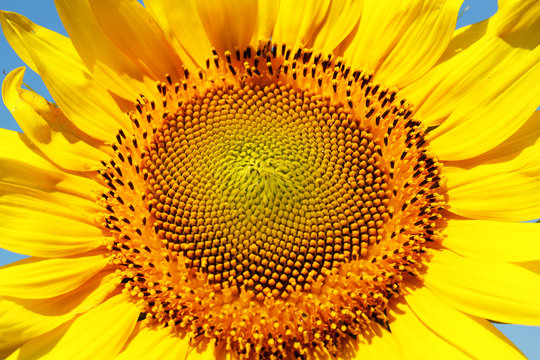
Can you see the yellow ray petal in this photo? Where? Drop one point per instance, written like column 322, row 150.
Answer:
column 24, row 319
column 23, row 166
column 485, row 84
column 341, row 19
column 477, row 337
column 48, row 236
column 84, row 298
column 400, row 41
column 228, row 24
column 438, row 87
column 380, row 344
column 183, row 28
column 18, row 45
column 492, row 240
column 297, row 21
column 98, row 334
column 266, row 20
column 38, row 347
column 497, row 291
column 58, row 204
column 509, row 190
column 415, row 340
column 36, row 278
column 18, row 325
column 79, row 96
column 44, row 212
column 136, row 34
column 48, row 128
column 527, row 135
column 148, row 344
column 35, row 224
column 501, row 111
column 533, row 266
column 419, row 49
column 119, row 74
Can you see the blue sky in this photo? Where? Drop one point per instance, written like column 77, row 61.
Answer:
column 43, row 13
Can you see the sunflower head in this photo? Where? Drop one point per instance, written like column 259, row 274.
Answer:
column 269, row 184
column 298, row 183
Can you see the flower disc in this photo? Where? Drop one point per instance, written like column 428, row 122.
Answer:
column 255, row 207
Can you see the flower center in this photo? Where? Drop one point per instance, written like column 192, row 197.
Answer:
column 272, row 203
column 264, row 189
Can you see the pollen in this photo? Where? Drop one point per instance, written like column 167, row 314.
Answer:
column 271, row 203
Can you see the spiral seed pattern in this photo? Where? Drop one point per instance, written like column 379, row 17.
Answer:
column 263, row 188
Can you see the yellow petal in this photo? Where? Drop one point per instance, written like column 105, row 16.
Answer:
column 485, row 84
column 58, row 204
column 98, row 334
column 18, row 325
column 341, row 19
column 77, row 94
column 297, row 21
column 508, row 190
column 400, row 41
column 23, row 165
column 29, row 229
column 48, row 128
column 527, row 135
column 148, row 344
column 117, row 73
column 422, row 44
column 378, row 344
column 266, row 20
column 492, row 290
column 36, row 234
column 39, row 346
column 44, row 212
column 493, row 117
column 84, row 298
column 492, row 240
column 18, row 45
column 24, row 319
column 533, row 266
column 137, row 36
column 228, row 24
column 474, row 336
column 36, row 278
column 415, row 340
column 443, row 82
column 183, row 28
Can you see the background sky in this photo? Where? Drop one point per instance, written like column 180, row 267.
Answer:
column 43, row 12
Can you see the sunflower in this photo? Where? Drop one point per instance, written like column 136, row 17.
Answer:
column 271, row 180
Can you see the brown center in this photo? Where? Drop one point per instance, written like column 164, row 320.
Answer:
column 266, row 188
